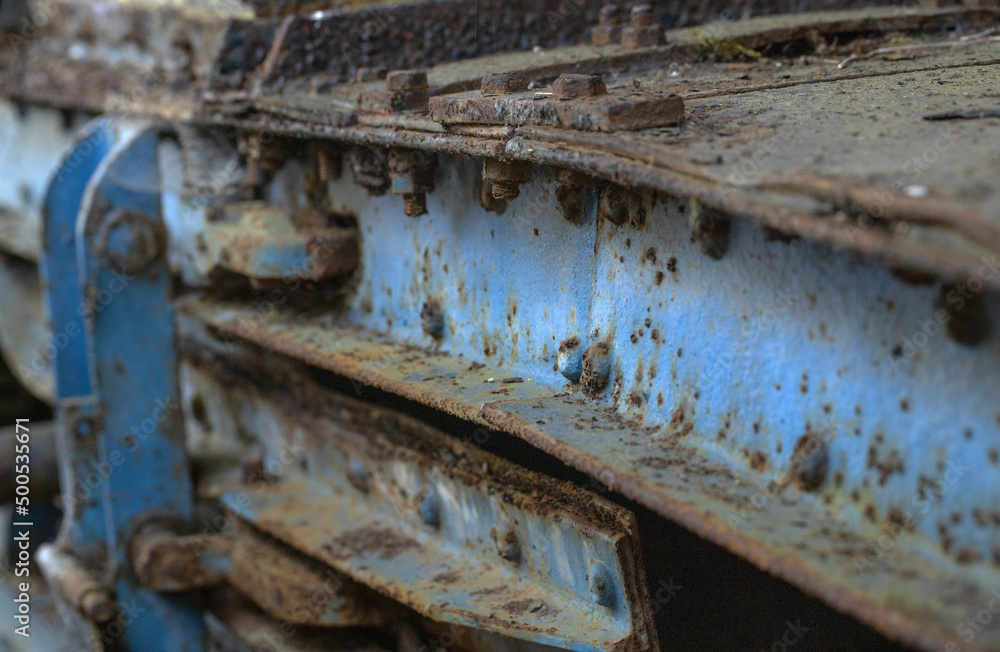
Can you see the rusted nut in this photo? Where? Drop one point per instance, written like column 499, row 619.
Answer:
column 710, row 229
column 602, row 584
column 641, row 16
column 506, row 177
column 596, row 367
column 407, row 90
column 572, row 86
column 359, row 476
column 963, row 311
column 432, row 318
column 130, row 241
column 504, row 83
column 75, row 584
column 569, row 360
column 371, row 168
column 507, row 544
column 810, row 462
column 367, row 74
column 608, row 15
column 406, row 80
column 411, row 174
column 608, row 29
column 642, row 30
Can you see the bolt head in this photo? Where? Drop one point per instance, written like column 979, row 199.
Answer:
column 432, row 318
column 130, row 240
column 608, row 15
column 504, row 83
column 569, row 359
column 508, row 545
column 572, row 86
column 359, row 476
column 406, row 80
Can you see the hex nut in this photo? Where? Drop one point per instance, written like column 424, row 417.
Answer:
column 572, row 86
column 504, row 83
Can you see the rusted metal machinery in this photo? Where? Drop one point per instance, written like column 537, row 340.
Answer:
column 453, row 325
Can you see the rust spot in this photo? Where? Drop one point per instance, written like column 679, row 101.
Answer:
column 529, row 606
column 649, row 255
column 658, row 280
column 758, row 461
column 371, row 540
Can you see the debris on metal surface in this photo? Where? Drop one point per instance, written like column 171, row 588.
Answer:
column 742, row 272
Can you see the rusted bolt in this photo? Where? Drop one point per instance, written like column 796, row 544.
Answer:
column 407, row 89
column 432, row 318
column 710, row 229
column 359, row 476
column 596, row 367
column 130, row 240
column 506, row 177
column 641, row 16
column 76, row 584
column 810, row 461
column 507, row 544
column 371, row 168
column 430, row 509
column 608, row 29
column 965, row 314
column 642, row 30
column 602, row 584
column 504, row 83
column 411, row 174
column 572, row 86
column 569, row 360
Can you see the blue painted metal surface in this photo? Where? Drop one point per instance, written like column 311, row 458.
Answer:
column 76, row 402
column 135, row 369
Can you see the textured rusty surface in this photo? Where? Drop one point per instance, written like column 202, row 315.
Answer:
column 295, row 589
column 455, row 533
column 164, row 561
column 910, row 595
column 803, row 192
column 619, row 111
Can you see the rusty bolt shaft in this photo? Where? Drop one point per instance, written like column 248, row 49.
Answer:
column 407, row 89
column 641, row 16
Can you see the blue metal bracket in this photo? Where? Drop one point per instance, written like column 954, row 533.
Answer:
column 108, row 282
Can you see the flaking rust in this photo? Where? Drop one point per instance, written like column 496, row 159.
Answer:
column 513, row 527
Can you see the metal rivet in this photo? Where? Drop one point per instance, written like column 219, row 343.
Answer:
column 508, row 545
column 359, row 476
column 432, row 318
column 602, row 584
column 130, row 240
column 569, row 360
column 83, row 427
column 430, row 509
column 810, row 462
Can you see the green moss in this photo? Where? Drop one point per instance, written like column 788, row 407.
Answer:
column 726, row 50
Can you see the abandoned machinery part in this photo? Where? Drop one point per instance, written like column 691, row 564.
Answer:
column 373, row 326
